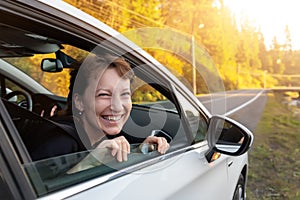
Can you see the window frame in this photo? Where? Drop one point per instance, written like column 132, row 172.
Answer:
column 157, row 78
column 179, row 91
column 13, row 153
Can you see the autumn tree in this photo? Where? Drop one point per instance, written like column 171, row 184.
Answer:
column 287, row 59
column 263, row 54
column 237, row 49
column 276, row 54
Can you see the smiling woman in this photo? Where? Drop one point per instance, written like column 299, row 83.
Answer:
column 270, row 16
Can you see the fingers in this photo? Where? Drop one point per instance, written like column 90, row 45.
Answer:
column 162, row 144
column 52, row 112
column 42, row 113
column 119, row 146
column 125, row 149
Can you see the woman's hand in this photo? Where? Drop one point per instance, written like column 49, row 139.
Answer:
column 162, row 144
column 119, row 147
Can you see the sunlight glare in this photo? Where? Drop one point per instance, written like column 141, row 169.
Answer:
column 271, row 16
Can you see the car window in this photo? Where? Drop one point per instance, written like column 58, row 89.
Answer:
column 9, row 88
column 154, row 112
column 145, row 95
column 197, row 122
column 57, row 82
column 55, row 173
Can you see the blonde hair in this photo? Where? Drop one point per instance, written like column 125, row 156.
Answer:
column 93, row 65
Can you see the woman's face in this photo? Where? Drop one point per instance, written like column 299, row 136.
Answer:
column 112, row 103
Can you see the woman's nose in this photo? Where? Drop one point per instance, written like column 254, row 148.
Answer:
column 116, row 104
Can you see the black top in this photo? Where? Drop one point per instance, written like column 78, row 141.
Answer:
column 46, row 138
column 61, row 137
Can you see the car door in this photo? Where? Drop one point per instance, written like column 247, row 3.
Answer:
column 183, row 173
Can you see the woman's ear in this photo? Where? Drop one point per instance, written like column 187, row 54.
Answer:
column 78, row 102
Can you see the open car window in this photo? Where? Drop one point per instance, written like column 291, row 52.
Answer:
column 55, row 173
column 154, row 112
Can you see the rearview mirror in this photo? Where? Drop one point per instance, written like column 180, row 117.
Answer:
column 51, row 65
column 228, row 136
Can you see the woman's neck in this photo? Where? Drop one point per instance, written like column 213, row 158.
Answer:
column 94, row 134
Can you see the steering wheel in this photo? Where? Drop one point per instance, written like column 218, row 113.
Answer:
column 27, row 102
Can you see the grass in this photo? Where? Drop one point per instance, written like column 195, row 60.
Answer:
column 274, row 170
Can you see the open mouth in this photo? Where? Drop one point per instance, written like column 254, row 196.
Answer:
column 112, row 118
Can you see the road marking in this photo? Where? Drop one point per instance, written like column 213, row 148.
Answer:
column 224, row 96
column 244, row 105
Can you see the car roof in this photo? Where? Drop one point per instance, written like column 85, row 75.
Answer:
column 60, row 11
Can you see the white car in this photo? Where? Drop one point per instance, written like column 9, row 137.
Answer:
column 39, row 40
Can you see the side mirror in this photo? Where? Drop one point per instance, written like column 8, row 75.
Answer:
column 228, row 136
column 51, row 65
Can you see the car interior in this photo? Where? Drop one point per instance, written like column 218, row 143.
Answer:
column 30, row 126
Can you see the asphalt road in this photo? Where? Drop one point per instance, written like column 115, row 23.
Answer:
column 244, row 106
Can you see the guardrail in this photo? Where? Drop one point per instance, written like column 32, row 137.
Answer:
column 286, row 89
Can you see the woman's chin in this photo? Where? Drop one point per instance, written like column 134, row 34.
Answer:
column 110, row 127
column 114, row 131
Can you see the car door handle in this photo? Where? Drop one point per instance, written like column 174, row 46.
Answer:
column 230, row 163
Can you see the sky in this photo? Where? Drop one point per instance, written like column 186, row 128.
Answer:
column 271, row 16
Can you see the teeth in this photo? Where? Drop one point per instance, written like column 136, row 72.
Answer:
column 112, row 118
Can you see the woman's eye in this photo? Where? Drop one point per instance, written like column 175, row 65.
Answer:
column 126, row 94
column 103, row 95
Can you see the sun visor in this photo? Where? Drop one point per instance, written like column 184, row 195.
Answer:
column 12, row 39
